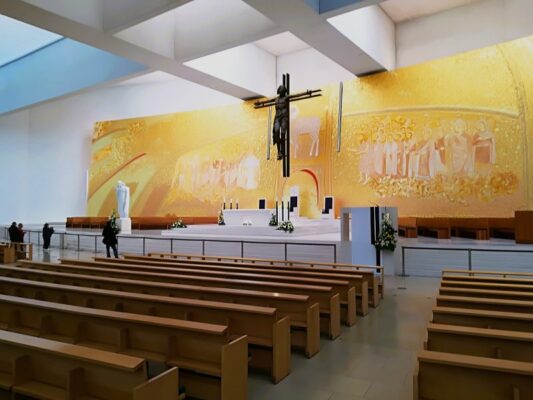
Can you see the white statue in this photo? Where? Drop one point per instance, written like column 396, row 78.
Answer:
column 123, row 199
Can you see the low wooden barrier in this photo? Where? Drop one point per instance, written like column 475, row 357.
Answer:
column 267, row 332
column 445, row 376
column 407, row 227
column 439, row 227
column 204, row 353
column 304, row 314
column 328, row 300
column 502, row 228
column 47, row 369
column 141, row 223
column 7, row 253
column 480, row 342
column 348, row 293
column 373, row 274
column 489, row 319
column 476, row 228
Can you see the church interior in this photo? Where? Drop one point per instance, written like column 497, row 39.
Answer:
column 266, row 199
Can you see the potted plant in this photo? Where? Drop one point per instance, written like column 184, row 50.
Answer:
column 221, row 218
column 387, row 235
column 286, row 226
column 178, row 224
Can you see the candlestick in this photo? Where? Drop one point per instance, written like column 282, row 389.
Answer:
column 231, row 204
column 282, row 211
column 288, row 211
column 277, row 220
column 237, row 204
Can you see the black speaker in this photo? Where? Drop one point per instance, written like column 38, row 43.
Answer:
column 262, row 204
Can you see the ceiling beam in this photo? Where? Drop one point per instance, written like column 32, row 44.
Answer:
column 41, row 18
column 304, row 22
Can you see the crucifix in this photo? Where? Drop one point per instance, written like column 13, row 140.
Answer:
column 281, row 129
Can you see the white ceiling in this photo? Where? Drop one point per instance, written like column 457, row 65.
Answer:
column 281, row 44
column 402, row 10
column 149, row 78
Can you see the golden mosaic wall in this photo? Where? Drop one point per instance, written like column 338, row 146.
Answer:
column 449, row 137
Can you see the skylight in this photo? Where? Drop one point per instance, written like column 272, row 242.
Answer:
column 18, row 39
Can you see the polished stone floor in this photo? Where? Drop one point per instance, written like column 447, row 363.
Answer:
column 373, row 360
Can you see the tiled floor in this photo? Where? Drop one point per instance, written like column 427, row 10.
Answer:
column 373, row 360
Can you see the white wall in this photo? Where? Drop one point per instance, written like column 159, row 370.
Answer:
column 461, row 29
column 13, row 166
column 310, row 69
column 50, row 143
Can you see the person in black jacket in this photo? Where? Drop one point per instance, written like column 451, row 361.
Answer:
column 110, row 239
column 13, row 232
column 47, row 236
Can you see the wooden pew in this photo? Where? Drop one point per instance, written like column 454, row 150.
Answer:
column 445, row 376
column 204, row 353
column 47, row 369
column 488, row 276
column 445, row 283
column 374, row 275
column 347, row 292
column 304, row 314
column 483, row 318
column 476, row 228
column 440, row 227
column 328, row 300
column 480, row 342
column 485, row 304
column 267, row 332
column 487, row 293
column 407, row 227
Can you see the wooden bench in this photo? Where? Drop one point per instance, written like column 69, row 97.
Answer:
column 7, row 253
column 483, row 318
column 480, row 342
column 304, row 314
column 347, row 293
column 267, row 332
column 204, row 353
column 476, row 228
column 479, row 303
column 487, row 293
column 47, row 369
column 508, row 277
column 407, row 227
column 502, row 228
column 374, row 275
column 445, row 376
column 328, row 300
column 445, row 283
column 439, row 227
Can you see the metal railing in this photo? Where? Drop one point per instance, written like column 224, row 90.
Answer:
column 469, row 251
column 63, row 240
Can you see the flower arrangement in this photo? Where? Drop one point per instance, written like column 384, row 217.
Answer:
column 178, row 224
column 286, row 226
column 273, row 220
column 114, row 225
column 221, row 218
column 387, row 235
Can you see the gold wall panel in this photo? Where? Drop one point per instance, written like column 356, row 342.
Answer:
column 448, row 137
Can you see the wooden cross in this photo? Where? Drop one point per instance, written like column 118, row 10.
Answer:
column 281, row 130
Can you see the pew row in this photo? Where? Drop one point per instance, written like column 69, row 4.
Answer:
column 487, row 293
column 304, row 314
column 480, row 342
column 346, row 288
column 328, row 300
column 506, row 276
column 445, row 376
column 374, row 274
column 485, row 304
column 267, row 332
column 504, row 320
column 468, row 284
column 47, row 369
column 211, row 365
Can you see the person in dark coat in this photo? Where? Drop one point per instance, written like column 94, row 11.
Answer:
column 47, row 236
column 110, row 239
column 13, row 232
column 20, row 233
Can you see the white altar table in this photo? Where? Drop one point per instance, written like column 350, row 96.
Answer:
column 238, row 217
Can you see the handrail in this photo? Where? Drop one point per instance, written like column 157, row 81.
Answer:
column 172, row 240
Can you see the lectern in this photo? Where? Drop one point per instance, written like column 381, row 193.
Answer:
column 523, row 221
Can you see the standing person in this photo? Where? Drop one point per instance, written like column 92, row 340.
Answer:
column 110, row 239
column 47, row 236
column 13, row 232
column 20, row 233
